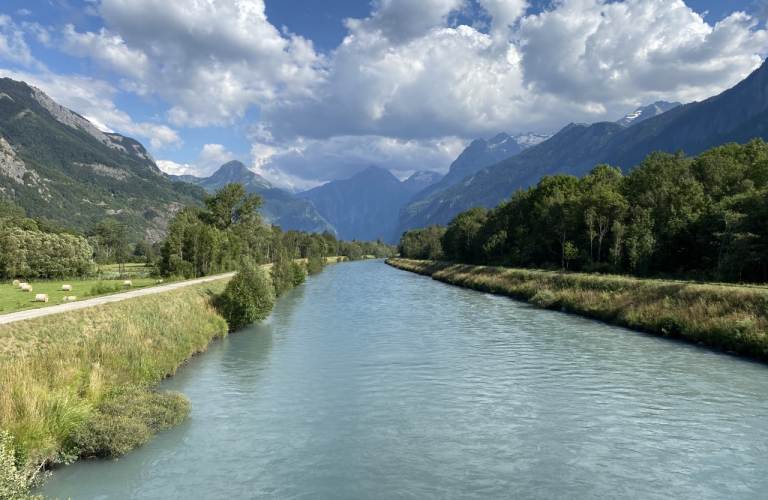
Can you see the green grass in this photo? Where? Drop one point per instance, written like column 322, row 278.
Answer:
column 59, row 373
column 728, row 318
column 12, row 299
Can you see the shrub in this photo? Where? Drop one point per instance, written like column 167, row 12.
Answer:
column 544, row 299
column 129, row 419
column 15, row 481
column 101, row 288
column 299, row 273
column 315, row 263
column 282, row 274
column 249, row 297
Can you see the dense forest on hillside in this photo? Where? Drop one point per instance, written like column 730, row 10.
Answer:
column 697, row 218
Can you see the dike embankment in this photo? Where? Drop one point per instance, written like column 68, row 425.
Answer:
column 732, row 319
column 79, row 383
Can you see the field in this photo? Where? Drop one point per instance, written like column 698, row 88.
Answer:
column 13, row 299
column 725, row 317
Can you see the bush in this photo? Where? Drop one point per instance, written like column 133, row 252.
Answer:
column 282, row 274
column 102, row 288
column 299, row 273
column 249, row 297
column 315, row 264
column 544, row 299
column 15, row 482
column 129, row 419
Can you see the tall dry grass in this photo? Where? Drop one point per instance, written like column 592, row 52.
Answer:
column 729, row 318
column 55, row 370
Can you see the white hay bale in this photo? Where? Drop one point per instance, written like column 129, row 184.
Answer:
column 22, row 285
column 69, row 298
column 127, row 283
column 16, row 282
column 41, row 297
column 159, row 282
column 26, row 288
column 66, row 288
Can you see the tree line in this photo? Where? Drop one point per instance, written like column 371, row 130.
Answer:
column 703, row 218
column 201, row 241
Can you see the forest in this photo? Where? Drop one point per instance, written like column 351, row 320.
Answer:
column 702, row 218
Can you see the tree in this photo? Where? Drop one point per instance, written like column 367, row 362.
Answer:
column 249, row 297
column 232, row 204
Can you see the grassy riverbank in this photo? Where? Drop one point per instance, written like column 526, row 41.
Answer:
column 77, row 383
column 728, row 318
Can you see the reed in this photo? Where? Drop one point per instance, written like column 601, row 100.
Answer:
column 725, row 317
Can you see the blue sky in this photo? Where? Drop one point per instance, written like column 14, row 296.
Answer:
column 306, row 91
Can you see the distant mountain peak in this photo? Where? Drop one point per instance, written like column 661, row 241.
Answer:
column 645, row 112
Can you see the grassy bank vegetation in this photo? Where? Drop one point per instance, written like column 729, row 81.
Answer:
column 80, row 383
column 725, row 317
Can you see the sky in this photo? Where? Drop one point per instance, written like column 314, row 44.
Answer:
column 308, row 91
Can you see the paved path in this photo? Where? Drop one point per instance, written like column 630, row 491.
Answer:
column 45, row 311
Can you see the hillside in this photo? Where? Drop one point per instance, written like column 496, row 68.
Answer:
column 479, row 154
column 281, row 208
column 56, row 164
column 364, row 207
column 737, row 115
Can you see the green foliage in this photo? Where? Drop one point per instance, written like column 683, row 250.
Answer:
column 544, row 299
column 102, row 288
column 249, row 297
column 33, row 254
column 127, row 419
column 15, row 481
column 299, row 273
column 422, row 243
column 700, row 218
column 282, row 273
column 315, row 263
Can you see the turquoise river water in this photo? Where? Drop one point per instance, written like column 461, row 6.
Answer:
column 372, row 383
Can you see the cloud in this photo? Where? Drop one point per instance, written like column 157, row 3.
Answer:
column 400, row 21
column 211, row 157
column 106, row 48
column 13, row 46
column 308, row 163
column 24, row 12
column 212, row 60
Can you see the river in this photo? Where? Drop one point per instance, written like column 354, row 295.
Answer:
column 372, row 383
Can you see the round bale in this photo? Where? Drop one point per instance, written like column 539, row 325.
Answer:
column 70, row 298
column 26, row 288
column 22, row 285
column 127, row 283
column 16, row 282
column 41, row 297
column 159, row 282
column 66, row 288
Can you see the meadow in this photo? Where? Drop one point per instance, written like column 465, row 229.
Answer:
column 729, row 318
column 12, row 299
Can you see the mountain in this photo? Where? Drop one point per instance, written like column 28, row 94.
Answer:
column 737, row 115
column 281, row 207
column 56, row 164
column 530, row 139
column 479, row 154
column 364, row 207
column 645, row 112
column 421, row 180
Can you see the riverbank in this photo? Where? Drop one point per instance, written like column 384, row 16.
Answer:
column 79, row 383
column 728, row 318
